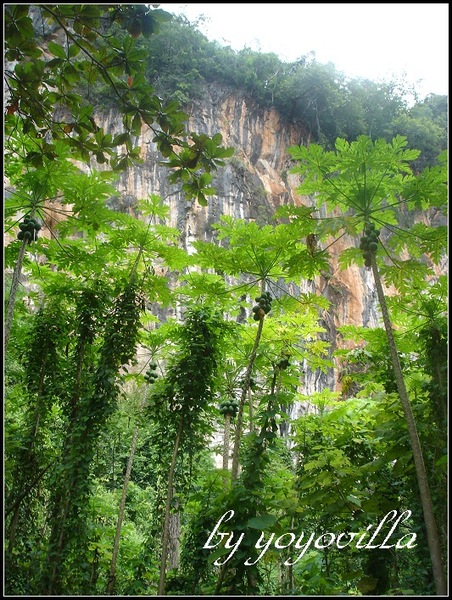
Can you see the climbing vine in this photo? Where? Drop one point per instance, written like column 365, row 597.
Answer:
column 89, row 412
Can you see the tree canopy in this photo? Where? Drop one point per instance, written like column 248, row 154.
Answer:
column 46, row 105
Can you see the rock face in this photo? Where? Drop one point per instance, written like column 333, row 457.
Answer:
column 255, row 181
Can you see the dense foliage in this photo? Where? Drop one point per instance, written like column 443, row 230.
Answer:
column 115, row 414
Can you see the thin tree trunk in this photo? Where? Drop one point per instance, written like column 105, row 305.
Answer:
column 227, row 434
column 57, row 532
column 427, row 505
column 225, row 566
column 173, row 543
column 246, row 384
column 78, row 379
column 13, row 291
column 75, row 398
column 95, row 569
column 226, row 449
column 251, row 410
column 112, row 575
column 16, row 504
column 166, row 522
column 12, row 529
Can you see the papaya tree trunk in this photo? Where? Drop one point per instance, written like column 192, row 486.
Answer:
column 433, row 538
column 112, row 575
column 226, row 448
column 166, row 521
column 246, row 385
column 251, row 410
column 13, row 292
column 173, row 541
column 226, row 440
column 225, row 566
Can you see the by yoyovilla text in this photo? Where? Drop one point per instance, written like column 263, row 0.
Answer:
column 301, row 542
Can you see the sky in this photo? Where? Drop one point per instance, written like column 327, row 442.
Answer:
column 380, row 42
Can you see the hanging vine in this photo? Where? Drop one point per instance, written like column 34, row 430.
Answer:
column 35, row 454
column 184, row 398
column 90, row 413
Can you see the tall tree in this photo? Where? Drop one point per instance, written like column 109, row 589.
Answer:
column 184, row 397
column 369, row 182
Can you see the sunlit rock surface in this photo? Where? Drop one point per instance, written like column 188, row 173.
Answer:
column 254, row 182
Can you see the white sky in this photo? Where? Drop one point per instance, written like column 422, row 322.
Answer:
column 373, row 41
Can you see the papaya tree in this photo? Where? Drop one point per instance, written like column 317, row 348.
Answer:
column 80, row 282
column 260, row 257
column 181, row 404
column 370, row 185
column 367, row 371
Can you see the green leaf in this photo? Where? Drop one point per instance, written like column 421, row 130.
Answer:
column 354, row 500
column 202, row 200
column 262, row 522
column 217, row 553
column 442, row 461
column 57, row 50
column 350, row 256
column 74, row 50
column 121, row 139
column 136, row 125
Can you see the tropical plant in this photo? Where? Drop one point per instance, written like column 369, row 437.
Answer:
column 368, row 182
column 92, row 45
column 49, row 123
column 185, row 395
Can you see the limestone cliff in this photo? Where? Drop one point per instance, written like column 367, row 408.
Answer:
column 255, row 181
